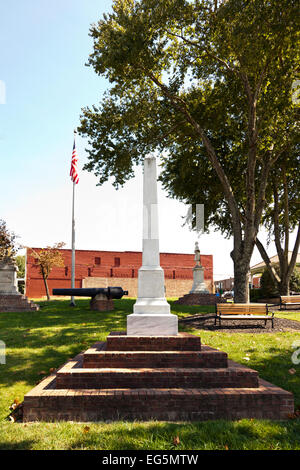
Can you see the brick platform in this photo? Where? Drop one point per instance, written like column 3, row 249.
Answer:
column 164, row 378
column 102, row 305
column 16, row 303
column 200, row 299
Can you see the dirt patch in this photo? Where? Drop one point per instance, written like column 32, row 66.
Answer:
column 207, row 322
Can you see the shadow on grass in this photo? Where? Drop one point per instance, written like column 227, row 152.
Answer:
column 27, row 444
column 190, row 309
column 198, row 435
column 39, row 341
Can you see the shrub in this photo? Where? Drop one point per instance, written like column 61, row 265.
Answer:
column 269, row 289
column 255, row 294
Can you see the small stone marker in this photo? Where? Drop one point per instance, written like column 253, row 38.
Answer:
column 151, row 314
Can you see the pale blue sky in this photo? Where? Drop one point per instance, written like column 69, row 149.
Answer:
column 44, row 45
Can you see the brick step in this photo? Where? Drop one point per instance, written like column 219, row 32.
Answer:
column 19, row 309
column 16, row 303
column 119, row 341
column 79, row 378
column 46, row 403
column 207, row 357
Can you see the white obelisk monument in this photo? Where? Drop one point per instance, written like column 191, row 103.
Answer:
column 151, row 313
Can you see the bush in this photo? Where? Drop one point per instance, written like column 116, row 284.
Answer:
column 268, row 287
column 295, row 280
column 255, row 294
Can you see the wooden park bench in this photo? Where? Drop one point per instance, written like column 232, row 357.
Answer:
column 243, row 312
column 288, row 300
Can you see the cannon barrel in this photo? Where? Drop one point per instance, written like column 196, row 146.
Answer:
column 110, row 292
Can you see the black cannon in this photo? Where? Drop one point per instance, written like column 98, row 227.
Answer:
column 101, row 297
column 109, row 292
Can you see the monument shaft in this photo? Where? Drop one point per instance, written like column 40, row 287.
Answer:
column 151, row 311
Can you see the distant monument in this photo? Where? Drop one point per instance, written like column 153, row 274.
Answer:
column 11, row 300
column 199, row 294
column 151, row 312
column 199, row 285
column 8, row 278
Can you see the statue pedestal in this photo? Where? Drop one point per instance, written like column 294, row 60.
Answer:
column 199, row 286
column 102, row 303
column 8, row 279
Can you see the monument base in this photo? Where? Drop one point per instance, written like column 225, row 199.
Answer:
column 143, row 324
column 172, row 378
column 200, row 299
column 16, row 303
column 152, row 306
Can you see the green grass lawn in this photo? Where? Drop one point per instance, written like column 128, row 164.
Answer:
column 39, row 341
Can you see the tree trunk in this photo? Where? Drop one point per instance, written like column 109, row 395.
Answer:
column 241, row 281
column 46, row 286
column 284, row 286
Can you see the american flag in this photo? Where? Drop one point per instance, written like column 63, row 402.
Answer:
column 73, row 171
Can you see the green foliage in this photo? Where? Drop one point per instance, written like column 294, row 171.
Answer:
column 268, row 287
column 8, row 244
column 295, row 280
column 201, row 53
column 20, row 262
column 255, row 295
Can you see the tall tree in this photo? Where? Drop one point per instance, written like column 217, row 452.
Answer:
column 282, row 217
column 8, row 243
column 46, row 259
column 167, row 62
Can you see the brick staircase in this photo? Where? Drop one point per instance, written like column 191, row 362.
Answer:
column 16, row 303
column 164, row 378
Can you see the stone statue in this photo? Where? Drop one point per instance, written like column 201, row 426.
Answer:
column 197, row 254
column 8, row 277
column 199, row 286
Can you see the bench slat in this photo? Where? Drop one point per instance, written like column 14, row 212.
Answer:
column 249, row 314
column 242, row 309
column 290, row 299
column 243, row 317
column 243, row 312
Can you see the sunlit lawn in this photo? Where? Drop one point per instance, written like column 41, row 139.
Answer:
column 39, row 341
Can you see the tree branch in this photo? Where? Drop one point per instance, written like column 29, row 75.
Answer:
column 294, row 254
column 181, row 106
column 267, row 261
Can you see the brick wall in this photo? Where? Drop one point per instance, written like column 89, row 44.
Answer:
column 116, row 268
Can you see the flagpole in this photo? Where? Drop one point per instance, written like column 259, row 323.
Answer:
column 72, row 304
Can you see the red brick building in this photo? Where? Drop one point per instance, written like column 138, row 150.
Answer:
column 116, row 268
